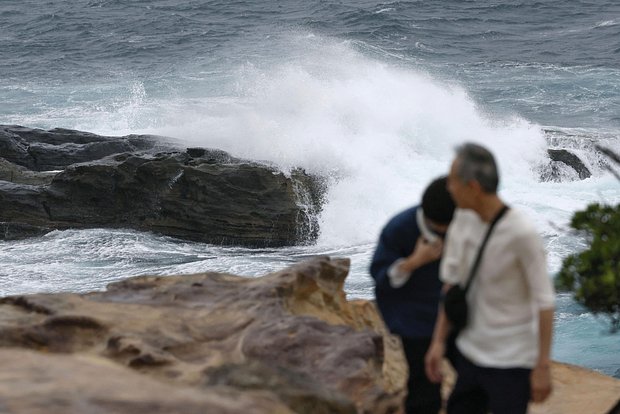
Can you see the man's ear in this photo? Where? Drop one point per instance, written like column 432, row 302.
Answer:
column 474, row 186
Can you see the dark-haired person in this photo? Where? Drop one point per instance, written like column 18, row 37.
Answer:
column 405, row 267
column 504, row 350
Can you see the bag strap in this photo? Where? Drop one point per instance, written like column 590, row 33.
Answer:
column 472, row 273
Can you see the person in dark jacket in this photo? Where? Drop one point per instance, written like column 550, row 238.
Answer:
column 405, row 267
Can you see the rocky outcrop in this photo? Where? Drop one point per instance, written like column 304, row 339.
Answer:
column 572, row 156
column 196, row 194
column 40, row 150
column 565, row 157
column 282, row 343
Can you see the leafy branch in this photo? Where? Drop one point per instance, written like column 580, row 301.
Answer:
column 594, row 274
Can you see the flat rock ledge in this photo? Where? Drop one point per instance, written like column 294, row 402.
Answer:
column 286, row 342
column 61, row 179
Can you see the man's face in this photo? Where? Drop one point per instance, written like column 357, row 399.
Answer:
column 458, row 189
column 438, row 228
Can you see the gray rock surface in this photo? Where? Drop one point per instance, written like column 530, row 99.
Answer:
column 569, row 159
column 196, row 194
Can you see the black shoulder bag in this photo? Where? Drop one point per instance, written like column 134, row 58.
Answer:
column 455, row 301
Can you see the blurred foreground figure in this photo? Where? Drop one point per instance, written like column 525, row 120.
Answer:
column 405, row 268
column 504, row 349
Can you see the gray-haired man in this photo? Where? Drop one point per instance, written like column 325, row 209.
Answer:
column 505, row 347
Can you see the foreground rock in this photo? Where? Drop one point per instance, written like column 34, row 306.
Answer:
column 63, row 179
column 37, row 383
column 578, row 390
column 287, row 342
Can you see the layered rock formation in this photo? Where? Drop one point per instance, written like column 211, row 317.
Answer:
column 287, row 342
column 68, row 179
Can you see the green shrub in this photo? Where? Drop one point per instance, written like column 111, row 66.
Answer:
column 594, row 274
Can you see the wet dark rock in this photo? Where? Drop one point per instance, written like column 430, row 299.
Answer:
column 40, row 150
column 22, row 175
column 17, row 231
column 139, row 182
column 556, row 169
column 570, row 159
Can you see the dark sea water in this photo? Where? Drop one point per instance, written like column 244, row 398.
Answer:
column 372, row 95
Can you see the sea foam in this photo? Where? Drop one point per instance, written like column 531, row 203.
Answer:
column 376, row 131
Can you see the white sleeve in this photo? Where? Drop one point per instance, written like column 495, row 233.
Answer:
column 450, row 259
column 533, row 261
column 396, row 276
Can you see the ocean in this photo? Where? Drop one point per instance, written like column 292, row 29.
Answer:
column 373, row 96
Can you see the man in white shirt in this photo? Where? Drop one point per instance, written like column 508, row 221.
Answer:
column 505, row 346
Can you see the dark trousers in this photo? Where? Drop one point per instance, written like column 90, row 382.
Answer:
column 423, row 396
column 479, row 390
